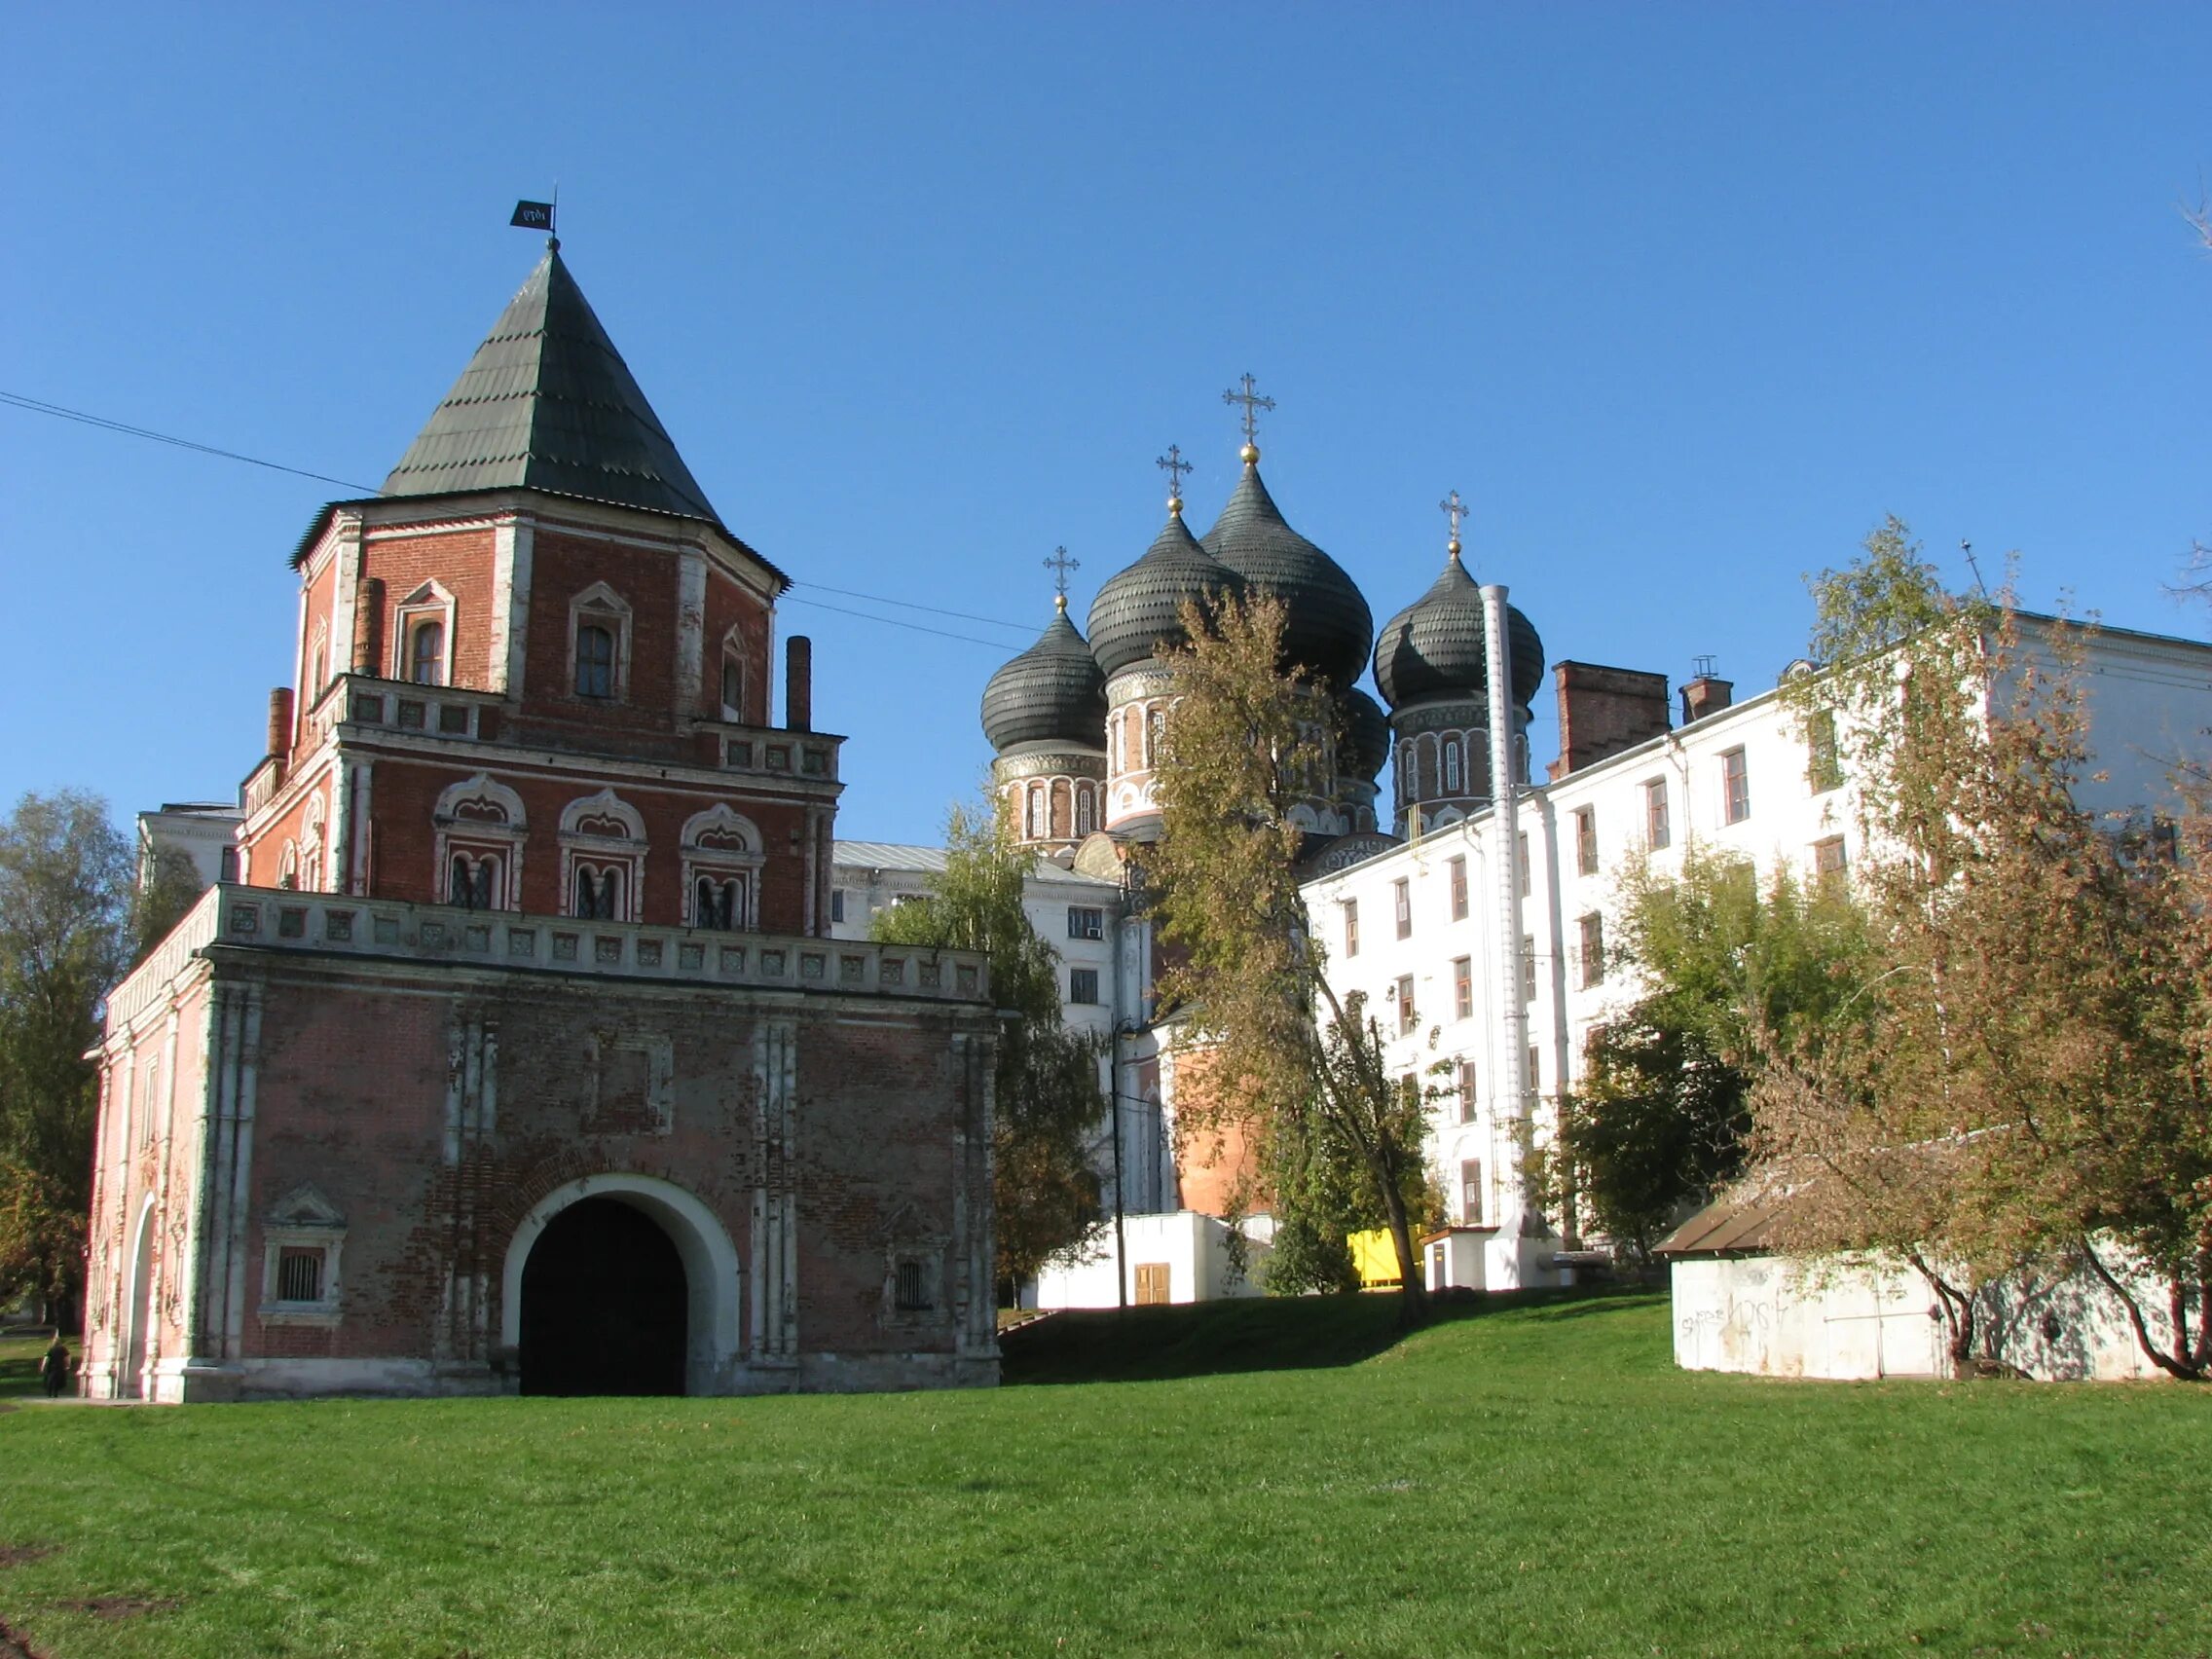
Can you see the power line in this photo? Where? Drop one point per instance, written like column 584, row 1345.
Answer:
column 36, row 407
column 103, row 422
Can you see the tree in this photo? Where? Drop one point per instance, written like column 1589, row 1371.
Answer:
column 2024, row 1084
column 1660, row 1120
column 1245, row 744
column 66, row 896
column 1049, row 1105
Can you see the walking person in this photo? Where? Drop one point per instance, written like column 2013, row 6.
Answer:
column 53, row 1368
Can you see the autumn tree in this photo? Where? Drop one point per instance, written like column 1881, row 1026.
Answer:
column 65, row 913
column 1048, row 1100
column 2024, row 1081
column 1246, row 743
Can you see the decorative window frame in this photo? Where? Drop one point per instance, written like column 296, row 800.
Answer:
column 315, row 670
column 303, row 1218
column 313, row 819
column 602, row 832
column 1086, row 809
column 429, row 602
column 288, row 866
column 600, row 606
column 732, row 652
column 912, row 1252
column 476, row 837
column 722, row 844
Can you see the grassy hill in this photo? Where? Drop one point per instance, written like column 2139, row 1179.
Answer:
column 1522, row 1480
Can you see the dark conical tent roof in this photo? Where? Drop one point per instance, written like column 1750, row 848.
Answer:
column 1051, row 693
column 1330, row 626
column 548, row 404
column 1438, row 643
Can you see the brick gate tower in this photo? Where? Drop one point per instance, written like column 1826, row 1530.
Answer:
column 517, row 1057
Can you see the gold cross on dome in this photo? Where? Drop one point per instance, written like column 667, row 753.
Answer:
column 1059, row 563
column 1175, row 465
column 1253, row 404
column 1453, row 509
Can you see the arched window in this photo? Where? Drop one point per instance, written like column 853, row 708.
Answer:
column 1154, row 735
column 598, row 893
column 426, row 653
column 1085, row 811
column 472, row 882
column 733, row 687
column 716, row 904
column 595, row 660
column 1451, row 765
column 1408, row 775
column 1033, row 817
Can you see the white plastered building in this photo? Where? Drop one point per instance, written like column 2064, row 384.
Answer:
column 1416, row 928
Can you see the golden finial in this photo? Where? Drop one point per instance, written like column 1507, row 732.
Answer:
column 1175, row 465
column 1253, row 403
column 1453, row 509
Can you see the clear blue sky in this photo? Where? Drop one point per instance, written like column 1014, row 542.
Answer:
column 1682, row 298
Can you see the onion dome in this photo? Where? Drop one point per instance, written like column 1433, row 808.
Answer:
column 1367, row 730
column 1053, row 692
column 1435, row 644
column 1329, row 626
column 1142, row 606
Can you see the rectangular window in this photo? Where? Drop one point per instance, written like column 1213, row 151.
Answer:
column 1085, row 922
column 837, row 903
column 911, row 1294
column 1351, row 926
column 1829, row 861
column 1462, row 988
column 298, row 1273
column 1824, row 765
column 1082, row 986
column 1471, row 1192
column 1658, row 828
column 1527, row 968
column 1407, row 1017
column 1523, row 843
column 1535, row 1072
column 1466, row 1092
column 1586, row 840
column 1401, row 895
column 1458, row 870
column 1593, row 949
column 1735, row 786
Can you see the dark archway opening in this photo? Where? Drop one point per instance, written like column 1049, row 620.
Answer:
column 604, row 1304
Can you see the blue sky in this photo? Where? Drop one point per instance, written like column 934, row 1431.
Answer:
column 1683, row 300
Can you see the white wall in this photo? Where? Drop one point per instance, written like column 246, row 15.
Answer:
column 1194, row 1248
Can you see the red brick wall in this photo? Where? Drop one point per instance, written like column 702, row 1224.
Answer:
column 265, row 849
column 352, row 1097
column 404, row 796
column 461, row 562
column 728, row 606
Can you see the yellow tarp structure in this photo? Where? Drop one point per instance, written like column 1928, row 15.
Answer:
column 1373, row 1257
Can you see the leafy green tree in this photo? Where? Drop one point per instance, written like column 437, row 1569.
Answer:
column 1660, row 1122
column 1049, row 1102
column 66, row 900
column 1282, row 1054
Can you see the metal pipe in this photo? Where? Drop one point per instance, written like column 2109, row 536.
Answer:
column 1512, row 1068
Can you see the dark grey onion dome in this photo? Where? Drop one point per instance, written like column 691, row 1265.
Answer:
column 1053, row 692
column 1142, row 606
column 1368, row 731
column 1436, row 645
column 1330, row 626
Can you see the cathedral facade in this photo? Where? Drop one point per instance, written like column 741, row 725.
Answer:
column 519, row 1053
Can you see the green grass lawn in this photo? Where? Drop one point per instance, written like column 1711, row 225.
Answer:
column 1518, row 1480
column 20, row 1356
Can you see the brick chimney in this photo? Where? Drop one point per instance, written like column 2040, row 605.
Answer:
column 799, row 683
column 368, row 625
column 1603, row 710
column 281, row 723
column 1705, row 695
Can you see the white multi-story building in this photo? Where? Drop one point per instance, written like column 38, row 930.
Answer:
column 1418, row 929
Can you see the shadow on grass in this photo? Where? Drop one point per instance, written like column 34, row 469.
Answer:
column 1290, row 1332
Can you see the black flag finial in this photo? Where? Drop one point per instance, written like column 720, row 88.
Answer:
column 535, row 216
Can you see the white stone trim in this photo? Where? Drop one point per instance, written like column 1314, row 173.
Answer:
column 601, row 605
column 430, row 602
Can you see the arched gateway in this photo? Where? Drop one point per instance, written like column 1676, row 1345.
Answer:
column 621, row 1284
